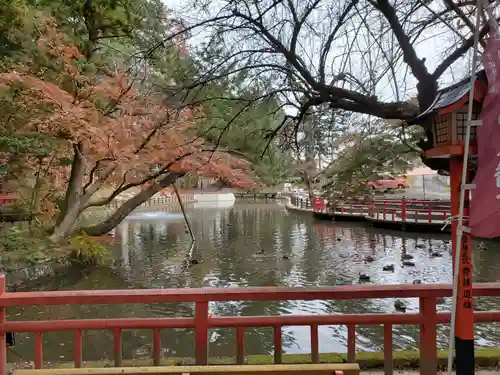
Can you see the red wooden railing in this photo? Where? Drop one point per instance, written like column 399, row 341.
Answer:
column 408, row 210
column 7, row 199
column 427, row 317
column 390, row 209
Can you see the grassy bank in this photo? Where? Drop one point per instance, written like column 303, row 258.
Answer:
column 20, row 244
column 24, row 246
column 486, row 358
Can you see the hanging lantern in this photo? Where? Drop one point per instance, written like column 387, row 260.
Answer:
column 446, row 118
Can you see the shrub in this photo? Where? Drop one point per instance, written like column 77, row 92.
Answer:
column 13, row 240
column 88, row 250
column 16, row 244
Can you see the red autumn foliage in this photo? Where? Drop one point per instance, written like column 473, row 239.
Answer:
column 121, row 132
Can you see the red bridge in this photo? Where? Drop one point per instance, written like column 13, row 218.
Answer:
column 7, row 199
column 386, row 212
column 427, row 317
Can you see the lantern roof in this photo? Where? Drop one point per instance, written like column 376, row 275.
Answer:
column 453, row 97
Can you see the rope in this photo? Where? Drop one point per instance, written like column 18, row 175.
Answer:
column 450, row 219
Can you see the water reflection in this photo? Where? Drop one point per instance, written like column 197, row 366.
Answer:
column 255, row 245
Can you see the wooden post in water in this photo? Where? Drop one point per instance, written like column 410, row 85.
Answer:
column 184, row 212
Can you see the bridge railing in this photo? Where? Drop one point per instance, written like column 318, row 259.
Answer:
column 410, row 210
column 304, row 203
column 7, row 199
column 427, row 317
column 389, row 209
column 159, row 200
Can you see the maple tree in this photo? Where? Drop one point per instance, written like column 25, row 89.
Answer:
column 110, row 134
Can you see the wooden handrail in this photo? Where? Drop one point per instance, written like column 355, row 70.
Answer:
column 427, row 317
column 314, row 369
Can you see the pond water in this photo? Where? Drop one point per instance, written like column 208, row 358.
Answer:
column 151, row 250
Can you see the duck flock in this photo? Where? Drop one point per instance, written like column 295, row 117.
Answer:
column 407, row 260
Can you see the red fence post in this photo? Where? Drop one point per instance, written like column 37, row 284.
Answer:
column 403, row 209
column 314, row 344
column 77, row 351
column 278, row 344
column 351, row 343
column 429, row 211
column 3, row 341
column 38, row 350
column 157, row 347
column 240, row 345
column 428, row 332
column 118, row 347
column 201, row 342
column 388, row 360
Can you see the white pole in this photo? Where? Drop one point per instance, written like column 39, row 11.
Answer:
column 423, row 184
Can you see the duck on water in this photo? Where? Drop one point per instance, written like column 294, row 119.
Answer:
column 364, row 277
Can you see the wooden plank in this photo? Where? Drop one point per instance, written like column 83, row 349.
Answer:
column 310, row 369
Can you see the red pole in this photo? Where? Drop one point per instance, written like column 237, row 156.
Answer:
column 455, row 181
column 403, row 209
column 464, row 323
column 3, row 341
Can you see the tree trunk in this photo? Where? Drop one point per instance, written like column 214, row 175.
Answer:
column 127, row 207
column 310, row 189
column 66, row 226
column 35, row 195
column 70, row 209
column 309, row 184
column 75, row 183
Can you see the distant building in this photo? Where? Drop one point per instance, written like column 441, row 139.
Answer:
column 421, row 175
